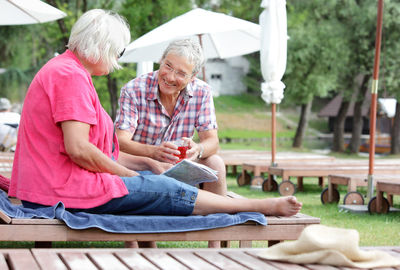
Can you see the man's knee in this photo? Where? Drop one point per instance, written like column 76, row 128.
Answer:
column 215, row 162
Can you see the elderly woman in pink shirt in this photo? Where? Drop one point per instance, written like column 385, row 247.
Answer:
column 67, row 150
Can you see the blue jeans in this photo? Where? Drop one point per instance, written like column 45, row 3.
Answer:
column 149, row 194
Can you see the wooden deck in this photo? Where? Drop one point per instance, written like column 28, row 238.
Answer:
column 165, row 259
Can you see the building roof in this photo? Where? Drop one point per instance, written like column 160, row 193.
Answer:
column 332, row 108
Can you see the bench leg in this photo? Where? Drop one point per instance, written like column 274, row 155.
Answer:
column 390, row 199
column 147, row 244
column 321, row 181
column 225, row 244
column 40, row 244
column 131, row 244
column 300, row 183
column 273, row 242
column 214, row 244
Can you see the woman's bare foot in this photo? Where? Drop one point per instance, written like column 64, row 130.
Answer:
column 283, row 206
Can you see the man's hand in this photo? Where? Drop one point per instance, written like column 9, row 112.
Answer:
column 194, row 149
column 166, row 152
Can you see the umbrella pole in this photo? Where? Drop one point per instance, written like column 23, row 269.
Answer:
column 273, row 133
column 203, row 68
column 374, row 94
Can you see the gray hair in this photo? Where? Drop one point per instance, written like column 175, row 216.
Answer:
column 189, row 49
column 100, row 36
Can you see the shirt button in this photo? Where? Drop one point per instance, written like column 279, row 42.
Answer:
column 183, row 194
column 193, row 197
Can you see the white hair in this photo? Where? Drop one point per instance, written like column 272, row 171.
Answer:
column 100, row 36
column 189, row 49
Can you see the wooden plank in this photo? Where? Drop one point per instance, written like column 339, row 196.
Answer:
column 217, row 259
column 4, row 218
column 245, row 259
column 104, row 260
column 21, row 259
column 163, row 260
column 3, row 262
column 191, row 260
column 77, row 261
column 48, row 259
column 36, row 221
column 135, row 260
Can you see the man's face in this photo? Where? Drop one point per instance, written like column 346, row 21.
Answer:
column 174, row 74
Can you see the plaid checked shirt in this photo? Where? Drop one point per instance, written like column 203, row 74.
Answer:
column 145, row 117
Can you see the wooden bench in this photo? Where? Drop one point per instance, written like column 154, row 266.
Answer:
column 45, row 231
column 164, row 259
column 288, row 188
column 380, row 204
column 49, row 230
column 352, row 181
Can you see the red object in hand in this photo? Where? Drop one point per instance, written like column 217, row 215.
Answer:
column 182, row 155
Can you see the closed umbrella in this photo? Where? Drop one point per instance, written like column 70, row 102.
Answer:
column 220, row 35
column 16, row 12
column 273, row 58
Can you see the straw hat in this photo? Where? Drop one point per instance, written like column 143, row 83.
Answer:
column 319, row 244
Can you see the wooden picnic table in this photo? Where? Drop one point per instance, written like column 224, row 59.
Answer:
column 171, row 258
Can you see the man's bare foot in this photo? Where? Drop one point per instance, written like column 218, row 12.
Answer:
column 283, row 206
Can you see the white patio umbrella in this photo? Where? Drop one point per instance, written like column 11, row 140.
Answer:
column 273, row 59
column 220, row 35
column 16, row 12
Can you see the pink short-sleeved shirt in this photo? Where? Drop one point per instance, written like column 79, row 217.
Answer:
column 42, row 170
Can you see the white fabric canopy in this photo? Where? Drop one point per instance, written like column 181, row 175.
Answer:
column 222, row 36
column 16, row 12
column 273, row 49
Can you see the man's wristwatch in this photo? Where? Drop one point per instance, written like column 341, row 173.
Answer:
column 201, row 152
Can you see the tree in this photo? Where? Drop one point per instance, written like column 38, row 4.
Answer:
column 361, row 15
column 315, row 56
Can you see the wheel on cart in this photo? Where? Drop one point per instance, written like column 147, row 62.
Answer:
column 243, row 180
column 286, row 188
column 325, row 196
column 354, row 197
column 384, row 208
column 274, row 185
column 257, row 181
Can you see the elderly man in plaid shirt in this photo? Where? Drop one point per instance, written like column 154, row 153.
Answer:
column 169, row 104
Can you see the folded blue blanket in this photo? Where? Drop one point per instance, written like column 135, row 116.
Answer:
column 129, row 223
